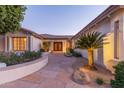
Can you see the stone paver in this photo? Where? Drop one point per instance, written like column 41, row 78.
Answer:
column 57, row 74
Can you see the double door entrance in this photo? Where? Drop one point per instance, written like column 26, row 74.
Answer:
column 58, row 46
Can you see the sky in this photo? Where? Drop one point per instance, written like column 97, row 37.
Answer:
column 60, row 19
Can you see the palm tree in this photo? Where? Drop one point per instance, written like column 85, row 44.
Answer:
column 91, row 41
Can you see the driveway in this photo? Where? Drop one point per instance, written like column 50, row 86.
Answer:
column 56, row 74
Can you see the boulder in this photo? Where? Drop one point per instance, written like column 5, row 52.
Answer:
column 79, row 77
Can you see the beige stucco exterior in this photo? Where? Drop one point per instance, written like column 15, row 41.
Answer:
column 104, row 23
column 65, row 44
column 33, row 43
column 105, row 55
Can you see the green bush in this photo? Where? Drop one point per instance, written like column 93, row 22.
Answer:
column 27, row 55
column 31, row 55
column 118, row 81
column 71, row 52
column 17, row 59
column 42, row 50
column 100, row 81
column 76, row 54
column 3, row 58
column 14, row 59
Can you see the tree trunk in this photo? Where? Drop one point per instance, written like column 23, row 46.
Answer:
column 90, row 57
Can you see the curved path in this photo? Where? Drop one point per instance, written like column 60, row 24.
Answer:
column 56, row 74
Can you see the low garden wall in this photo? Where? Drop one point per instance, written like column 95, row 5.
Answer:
column 15, row 72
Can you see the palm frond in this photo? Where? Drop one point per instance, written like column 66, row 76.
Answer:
column 91, row 40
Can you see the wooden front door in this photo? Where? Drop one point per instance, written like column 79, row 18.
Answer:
column 57, row 46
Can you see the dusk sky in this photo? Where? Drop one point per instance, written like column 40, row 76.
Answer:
column 60, row 20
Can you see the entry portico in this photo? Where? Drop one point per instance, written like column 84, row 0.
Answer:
column 58, row 43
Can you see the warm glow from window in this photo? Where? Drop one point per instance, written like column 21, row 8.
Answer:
column 19, row 43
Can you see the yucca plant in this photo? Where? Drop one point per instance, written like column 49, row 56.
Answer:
column 91, row 41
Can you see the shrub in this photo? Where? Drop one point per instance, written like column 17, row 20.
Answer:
column 46, row 46
column 70, row 52
column 3, row 58
column 100, row 81
column 28, row 54
column 23, row 57
column 118, row 81
column 42, row 50
column 76, row 54
column 14, row 59
column 36, row 54
column 31, row 55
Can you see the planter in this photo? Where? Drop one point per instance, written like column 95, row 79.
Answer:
column 2, row 65
column 15, row 72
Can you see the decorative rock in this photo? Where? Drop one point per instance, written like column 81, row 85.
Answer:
column 2, row 65
column 79, row 77
column 68, row 54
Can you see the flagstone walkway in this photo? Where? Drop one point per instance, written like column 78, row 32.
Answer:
column 57, row 74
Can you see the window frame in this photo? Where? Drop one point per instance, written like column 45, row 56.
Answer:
column 18, row 42
column 116, row 38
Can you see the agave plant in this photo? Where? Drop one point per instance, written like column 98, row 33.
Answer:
column 91, row 41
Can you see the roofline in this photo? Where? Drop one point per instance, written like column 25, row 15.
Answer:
column 99, row 18
column 54, row 37
column 32, row 33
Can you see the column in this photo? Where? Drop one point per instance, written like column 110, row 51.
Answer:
column 10, row 44
column 6, row 45
column 122, row 46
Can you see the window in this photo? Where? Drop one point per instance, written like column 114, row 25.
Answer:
column 116, row 39
column 19, row 43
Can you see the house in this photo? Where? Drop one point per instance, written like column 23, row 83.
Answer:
column 57, row 43
column 22, row 40
column 111, row 23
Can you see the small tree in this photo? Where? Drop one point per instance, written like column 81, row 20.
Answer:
column 10, row 17
column 46, row 46
column 90, row 41
column 118, row 81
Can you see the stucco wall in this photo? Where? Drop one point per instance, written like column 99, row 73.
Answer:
column 104, row 26
column 15, row 72
column 119, row 16
column 64, row 43
column 105, row 55
column 35, row 43
column 82, row 51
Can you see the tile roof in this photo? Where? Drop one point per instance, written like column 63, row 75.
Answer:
column 49, row 36
column 32, row 33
